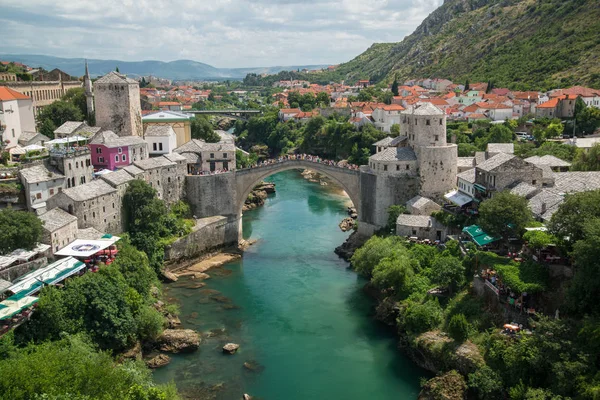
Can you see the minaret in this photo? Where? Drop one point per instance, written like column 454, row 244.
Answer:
column 89, row 95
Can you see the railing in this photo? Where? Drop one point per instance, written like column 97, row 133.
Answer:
column 302, row 157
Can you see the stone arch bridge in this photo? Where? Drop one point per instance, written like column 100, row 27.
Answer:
column 247, row 179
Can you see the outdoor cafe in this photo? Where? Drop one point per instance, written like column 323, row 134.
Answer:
column 92, row 252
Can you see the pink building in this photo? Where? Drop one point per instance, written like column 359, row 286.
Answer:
column 109, row 151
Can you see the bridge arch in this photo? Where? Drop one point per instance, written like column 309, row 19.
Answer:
column 247, row 179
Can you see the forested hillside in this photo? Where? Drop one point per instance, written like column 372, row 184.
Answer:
column 522, row 44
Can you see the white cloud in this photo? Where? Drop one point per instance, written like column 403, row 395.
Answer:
column 223, row 33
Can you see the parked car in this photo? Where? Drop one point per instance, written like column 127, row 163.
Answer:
column 523, row 136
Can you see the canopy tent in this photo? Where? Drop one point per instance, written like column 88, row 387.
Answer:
column 458, row 198
column 49, row 275
column 87, row 248
column 479, row 187
column 66, row 140
column 103, row 172
column 26, row 255
column 479, row 237
column 13, row 305
column 34, row 147
column 7, row 261
column 4, row 285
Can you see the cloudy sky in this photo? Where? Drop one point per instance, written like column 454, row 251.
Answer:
column 223, row 33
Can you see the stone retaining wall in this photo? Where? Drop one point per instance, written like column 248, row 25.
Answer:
column 208, row 234
column 12, row 273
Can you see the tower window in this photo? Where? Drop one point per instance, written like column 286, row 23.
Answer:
column 437, row 138
column 407, row 166
column 385, row 167
column 428, row 122
column 440, row 121
column 397, row 168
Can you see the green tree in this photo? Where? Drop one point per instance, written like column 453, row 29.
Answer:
column 18, row 230
column 486, row 383
column 567, row 223
column 395, row 87
column 76, row 96
column 323, row 99
column 135, row 268
column 538, row 240
column 587, row 160
column 364, row 95
column 467, row 86
column 584, row 290
column 588, row 120
column 421, row 317
column 504, row 215
column 366, row 258
column 458, row 327
column 448, row 271
column 395, row 129
column 72, row 368
column 467, row 150
column 58, row 113
column 117, row 69
column 202, row 129
column 393, row 214
column 393, row 272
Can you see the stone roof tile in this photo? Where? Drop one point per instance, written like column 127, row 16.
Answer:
column 395, row 154
column 89, row 190
column 56, row 219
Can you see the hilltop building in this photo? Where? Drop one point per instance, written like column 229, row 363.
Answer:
column 117, row 104
column 17, row 116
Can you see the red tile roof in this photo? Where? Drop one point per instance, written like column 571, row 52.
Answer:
column 9, row 94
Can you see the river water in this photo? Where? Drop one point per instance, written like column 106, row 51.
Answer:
column 299, row 314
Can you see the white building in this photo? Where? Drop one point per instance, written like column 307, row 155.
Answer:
column 386, row 116
column 161, row 139
column 17, row 115
column 499, row 112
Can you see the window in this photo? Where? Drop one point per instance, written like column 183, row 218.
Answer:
column 440, row 121
column 87, row 162
column 103, row 209
column 428, row 122
column 533, row 182
column 84, row 217
column 169, row 180
column 13, row 132
column 100, row 159
column 117, row 158
column 385, row 167
column 38, row 196
column 224, row 155
column 154, row 146
column 416, row 121
column 123, row 157
column 69, row 166
column 437, row 138
column 76, row 164
column 113, row 205
column 120, row 150
column 212, row 155
column 160, row 146
column 407, row 166
column 414, row 231
column 397, row 168
column 94, row 214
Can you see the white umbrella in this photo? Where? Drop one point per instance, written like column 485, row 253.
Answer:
column 34, row 147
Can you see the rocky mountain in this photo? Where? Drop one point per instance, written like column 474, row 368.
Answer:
column 517, row 43
column 177, row 70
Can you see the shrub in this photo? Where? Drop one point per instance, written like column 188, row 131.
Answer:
column 458, row 327
column 422, row 317
column 150, row 323
column 486, row 383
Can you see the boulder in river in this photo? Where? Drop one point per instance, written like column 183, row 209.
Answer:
column 347, row 224
column 201, row 276
column 231, row 348
column 178, row 341
column 169, row 276
column 246, row 396
column 158, row 361
column 253, row 366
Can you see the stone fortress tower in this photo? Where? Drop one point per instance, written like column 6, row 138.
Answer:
column 89, row 94
column 417, row 162
column 425, row 129
column 118, row 106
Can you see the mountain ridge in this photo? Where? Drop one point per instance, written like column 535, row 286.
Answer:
column 176, row 70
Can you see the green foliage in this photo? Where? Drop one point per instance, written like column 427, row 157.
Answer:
column 202, row 129
column 72, row 368
column 560, row 150
column 245, row 161
column 394, row 272
column 587, row 160
column 18, row 230
column 393, row 214
column 527, row 277
column 486, row 383
column 135, row 268
column 57, row 114
column 372, row 252
column 458, row 328
column 584, row 291
column 422, row 317
column 448, row 271
column 504, row 215
column 588, row 120
column 76, row 96
column 567, row 223
column 150, row 323
column 538, row 240
column 467, row 149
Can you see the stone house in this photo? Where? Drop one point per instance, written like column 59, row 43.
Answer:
column 555, row 163
column 286, row 114
column 208, row 157
column 59, row 228
column 166, row 174
column 75, row 128
column 396, row 161
column 75, row 163
column 41, row 182
column 503, row 171
column 420, row 205
column 29, row 138
column 120, row 181
column 111, row 151
column 161, row 140
column 95, row 204
column 466, row 181
column 464, row 164
column 181, row 124
column 420, row 226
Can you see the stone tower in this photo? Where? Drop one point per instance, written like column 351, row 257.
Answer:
column 89, row 95
column 118, row 104
column 425, row 128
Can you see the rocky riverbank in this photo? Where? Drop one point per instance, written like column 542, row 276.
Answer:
column 433, row 351
column 347, row 249
column 259, row 194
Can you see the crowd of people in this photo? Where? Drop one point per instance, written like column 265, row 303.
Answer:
column 304, row 157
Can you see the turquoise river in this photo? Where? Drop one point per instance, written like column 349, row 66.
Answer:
column 299, row 314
